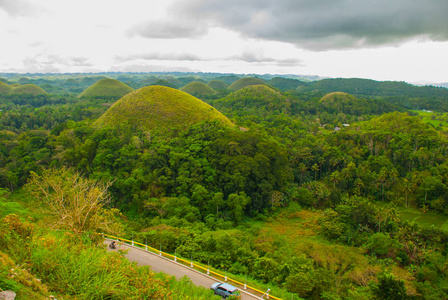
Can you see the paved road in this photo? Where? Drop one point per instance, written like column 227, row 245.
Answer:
column 160, row 264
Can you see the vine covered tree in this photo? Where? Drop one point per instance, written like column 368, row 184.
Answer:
column 76, row 202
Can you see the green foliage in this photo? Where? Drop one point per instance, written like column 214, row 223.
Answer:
column 389, row 288
column 380, row 244
column 10, row 207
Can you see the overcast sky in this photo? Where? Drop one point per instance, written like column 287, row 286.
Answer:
column 382, row 39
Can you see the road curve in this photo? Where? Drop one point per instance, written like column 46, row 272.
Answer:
column 162, row 264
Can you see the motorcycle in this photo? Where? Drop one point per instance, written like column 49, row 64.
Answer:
column 113, row 245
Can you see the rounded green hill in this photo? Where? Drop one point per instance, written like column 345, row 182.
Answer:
column 254, row 97
column 107, row 88
column 28, row 89
column 335, row 97
column 160, row 108
column 198, row 89
column 243, row 82
column 217, row 84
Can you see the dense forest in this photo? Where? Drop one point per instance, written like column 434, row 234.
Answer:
column 328, row 189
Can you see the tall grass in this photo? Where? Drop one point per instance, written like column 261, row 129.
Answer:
column 73, row 268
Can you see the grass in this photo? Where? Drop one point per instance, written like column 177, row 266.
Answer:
column 435, row 118
column 427, row 219
column 107, row 88
column 243, row 82
column 159, row 107
column 36, row 262
column 198, row 89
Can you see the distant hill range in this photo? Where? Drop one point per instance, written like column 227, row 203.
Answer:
column 368, row 88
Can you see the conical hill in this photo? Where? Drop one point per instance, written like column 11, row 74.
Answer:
column 107, row 88
column 198, row 89
column 160, row 108
column 243, row 82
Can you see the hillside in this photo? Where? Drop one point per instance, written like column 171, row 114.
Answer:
column 217, row 84
column 159, row 107
column 5, row 88
column 28, row 89
column 339, row 102
column 253, row 97
column 228, row 79
column 163, row 82
column 198, row 89
column 285, row 84
column 243, row 82
column 107, row 88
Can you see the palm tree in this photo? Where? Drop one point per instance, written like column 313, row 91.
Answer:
column 315, row 168
column 382, row 179
column 334, row 177
column 302, row 169
column 406, row 187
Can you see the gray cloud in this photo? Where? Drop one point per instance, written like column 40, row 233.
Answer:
column 318, row 25
column 17, row 7
column 160, row 56
column 168, row 30
column 43, row 63
column 247, row 56
column 149, row 68
column 256, row 57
